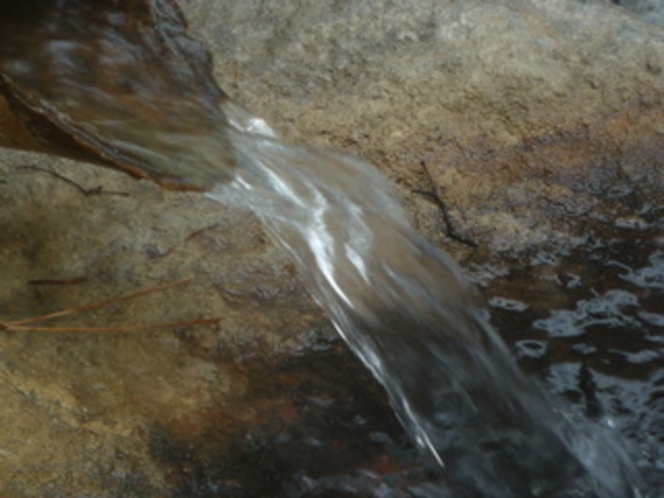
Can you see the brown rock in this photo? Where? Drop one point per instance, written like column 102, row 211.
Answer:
column 526, row 115
column 534, row 123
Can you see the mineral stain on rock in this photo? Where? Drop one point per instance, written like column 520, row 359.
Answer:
column 307, row 422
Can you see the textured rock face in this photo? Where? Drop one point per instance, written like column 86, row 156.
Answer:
column 525, row 114
column 534, row 124
column 82, row 413
column 651, row 10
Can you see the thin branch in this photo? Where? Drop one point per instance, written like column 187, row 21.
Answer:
column 12, row 327
column 85, row 191
column 97, row 304
column 200, row 231
column 186, row 240
column 434, row 196
column 26, row 324
column 57, row 281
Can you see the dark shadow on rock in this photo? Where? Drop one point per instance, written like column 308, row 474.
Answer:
column 314, row 418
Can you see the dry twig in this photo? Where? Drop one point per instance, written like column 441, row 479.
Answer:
column 433, row 195
column 26, row 325
column 85, row 191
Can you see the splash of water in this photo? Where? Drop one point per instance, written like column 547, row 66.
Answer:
column 406, row 310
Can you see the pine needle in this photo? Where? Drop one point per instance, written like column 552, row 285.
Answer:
column 25, row 324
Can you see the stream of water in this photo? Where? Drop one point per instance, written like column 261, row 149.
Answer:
column 406, row 310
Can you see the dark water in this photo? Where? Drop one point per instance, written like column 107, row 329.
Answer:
column 348, row 444
column 587, row 323
column 590, row 324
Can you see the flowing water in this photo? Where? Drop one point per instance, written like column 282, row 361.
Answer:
column 401, row 304
column 406, row 310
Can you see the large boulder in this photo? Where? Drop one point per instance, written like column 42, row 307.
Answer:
column 509, row 127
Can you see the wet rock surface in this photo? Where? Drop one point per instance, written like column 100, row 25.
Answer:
column 81, row 411
column 525, row 138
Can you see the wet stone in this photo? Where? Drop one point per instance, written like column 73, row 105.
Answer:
column 538, row 129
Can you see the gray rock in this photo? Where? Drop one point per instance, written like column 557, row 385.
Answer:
column 651, row 10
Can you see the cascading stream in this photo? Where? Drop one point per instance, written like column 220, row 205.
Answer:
column 406, row 310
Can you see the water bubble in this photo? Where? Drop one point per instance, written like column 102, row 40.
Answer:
column 531, row 348
column 508, row 304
